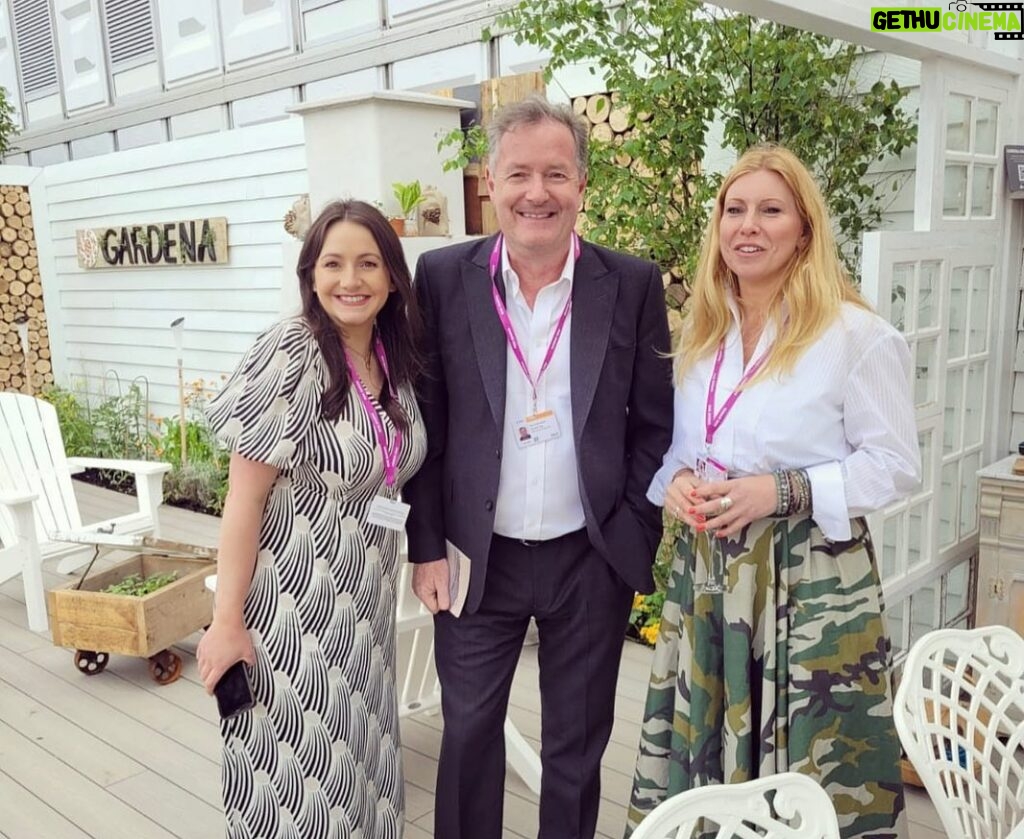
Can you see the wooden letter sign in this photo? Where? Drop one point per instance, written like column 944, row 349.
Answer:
column 201, row 241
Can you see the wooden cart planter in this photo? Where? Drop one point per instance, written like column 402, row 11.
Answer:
column 95, row 624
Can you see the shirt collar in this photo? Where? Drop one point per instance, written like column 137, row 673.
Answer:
column 512, row 278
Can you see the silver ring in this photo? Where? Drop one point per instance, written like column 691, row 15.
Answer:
column 725, row 502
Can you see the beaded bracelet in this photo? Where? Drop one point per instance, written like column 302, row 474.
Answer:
column 792, row 492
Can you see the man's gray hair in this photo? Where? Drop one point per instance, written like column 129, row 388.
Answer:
column 531, row 111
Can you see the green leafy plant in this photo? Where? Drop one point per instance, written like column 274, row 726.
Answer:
column 469, row 145
column 680, row 66
column 8, row 128
column 135, row 585
column 73, row 418
column 409, row 196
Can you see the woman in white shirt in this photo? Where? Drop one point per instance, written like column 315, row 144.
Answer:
column 793, row 419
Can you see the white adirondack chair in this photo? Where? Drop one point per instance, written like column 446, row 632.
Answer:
column 38, row 501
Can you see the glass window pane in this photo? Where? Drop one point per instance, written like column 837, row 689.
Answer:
column 958, row 120
column 923, row 616
column 894, row 626
column 959, row 280
column 974, row 403
column 969, row 494
column 928, row 294
column 917, row 533
column 890, row 539
column 949, row 504
column 986, row 120
column 957, row 594
column 926, row 385
column 902, row 280
column 982, row 281
column 954, row 190
column 926, row 442
column 983, row 186
column 953, row 410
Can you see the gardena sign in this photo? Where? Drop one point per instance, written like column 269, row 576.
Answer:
column 192, row 242
column 1003, row 19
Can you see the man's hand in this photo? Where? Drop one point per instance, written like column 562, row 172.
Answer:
column 430, row 584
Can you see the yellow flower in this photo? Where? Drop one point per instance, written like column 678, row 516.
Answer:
column 650, row 633
column 638, row 601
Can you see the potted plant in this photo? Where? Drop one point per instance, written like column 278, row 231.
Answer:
column 409, row 196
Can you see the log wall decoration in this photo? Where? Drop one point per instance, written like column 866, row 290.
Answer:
column 21, row 298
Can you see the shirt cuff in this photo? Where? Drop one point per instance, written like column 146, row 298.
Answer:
column 828, row 496
column 659, row 484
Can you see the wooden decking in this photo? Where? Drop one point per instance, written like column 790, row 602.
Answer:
column 115, row 756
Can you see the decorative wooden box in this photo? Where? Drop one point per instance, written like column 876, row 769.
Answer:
column 95, row 624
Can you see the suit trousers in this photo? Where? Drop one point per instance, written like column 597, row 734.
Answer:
column 581, row 608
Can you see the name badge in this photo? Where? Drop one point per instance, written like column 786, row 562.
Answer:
column 710, row 470
column 535, row 429
column 388, row 512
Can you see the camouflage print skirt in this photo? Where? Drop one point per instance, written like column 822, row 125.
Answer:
column 788, row 670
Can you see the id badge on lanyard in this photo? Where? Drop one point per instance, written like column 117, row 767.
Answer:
column 540, row 426
column 709, row 469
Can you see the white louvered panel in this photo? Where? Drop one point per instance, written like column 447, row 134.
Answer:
column 189, row 39
column 8, row 69
column 33, row 34
column 80, row 47
column 129, row 30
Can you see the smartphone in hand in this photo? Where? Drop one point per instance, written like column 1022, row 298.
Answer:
column 234, row 691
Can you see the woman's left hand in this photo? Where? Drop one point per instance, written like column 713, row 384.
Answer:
column 731, row 505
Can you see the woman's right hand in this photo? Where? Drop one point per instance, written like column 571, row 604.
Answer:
column 224, row 643
column 679, row 499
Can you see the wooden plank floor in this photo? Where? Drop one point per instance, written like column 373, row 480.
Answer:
column 116, row 756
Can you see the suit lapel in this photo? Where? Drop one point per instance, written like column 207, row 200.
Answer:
column 594, row 290
column 489, row 341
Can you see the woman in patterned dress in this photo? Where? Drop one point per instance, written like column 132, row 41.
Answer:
column 793, row 420
column 324, row 431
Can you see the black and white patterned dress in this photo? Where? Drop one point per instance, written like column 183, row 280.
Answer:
column 319, row 757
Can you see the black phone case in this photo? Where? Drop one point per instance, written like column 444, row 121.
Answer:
column 234, row 691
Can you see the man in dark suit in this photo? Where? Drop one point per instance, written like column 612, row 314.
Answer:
column 535, row 329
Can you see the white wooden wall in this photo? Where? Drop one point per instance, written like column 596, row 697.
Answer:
column 119, row 320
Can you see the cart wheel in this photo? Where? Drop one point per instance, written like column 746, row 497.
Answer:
column 90, row 663
column 165, row 667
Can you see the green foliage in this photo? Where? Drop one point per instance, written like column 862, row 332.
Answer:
column 7, row 127
column 678, row 66
column 137, row 586
column 73, row 418
column 469, row 146
column 121, row 427
column 409, row 196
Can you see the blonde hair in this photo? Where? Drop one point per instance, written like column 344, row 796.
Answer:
column 814, row 287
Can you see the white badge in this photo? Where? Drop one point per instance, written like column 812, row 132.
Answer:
column 710, row 470
column 535, row 429
column 388, row 512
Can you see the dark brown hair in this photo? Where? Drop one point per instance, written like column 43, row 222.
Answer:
column 398, row 323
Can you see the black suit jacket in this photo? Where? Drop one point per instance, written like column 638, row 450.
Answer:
column 621, row 390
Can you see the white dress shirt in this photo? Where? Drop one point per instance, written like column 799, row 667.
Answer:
column 538, row 491
column 845, row 413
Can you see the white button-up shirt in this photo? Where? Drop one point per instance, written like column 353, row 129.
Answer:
column 845, row 413
column 538, row 492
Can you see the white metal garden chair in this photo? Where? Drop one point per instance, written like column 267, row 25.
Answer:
column 960, row 716
column 37, row 499
column 784, row 806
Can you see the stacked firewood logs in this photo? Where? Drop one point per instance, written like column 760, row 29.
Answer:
column 613, row 122
column 21, row 298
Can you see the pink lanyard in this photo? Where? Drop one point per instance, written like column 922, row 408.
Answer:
column 713, row 420
column 506, row 322
column 389, row 454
